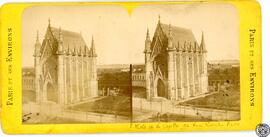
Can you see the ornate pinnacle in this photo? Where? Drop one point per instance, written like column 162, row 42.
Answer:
column 74, row 51
column 202, row 46
column 37, row 40
column 37, row 46
column 147, row 34
column 85, row 51
column 93, row 49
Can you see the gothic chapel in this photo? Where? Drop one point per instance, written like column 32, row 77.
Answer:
column 65, row 68
column 176, row 65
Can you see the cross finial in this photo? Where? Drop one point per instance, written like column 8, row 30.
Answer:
column 147, row 34
column 49, row 21
column 158, row 18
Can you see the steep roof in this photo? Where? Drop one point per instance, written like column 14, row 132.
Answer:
column 180, row 35
column 71, row 39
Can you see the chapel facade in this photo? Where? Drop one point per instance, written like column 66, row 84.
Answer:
column 65, row 68
column 176, row 65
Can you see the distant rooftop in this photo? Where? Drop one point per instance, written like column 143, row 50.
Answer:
column 137, row 68
column 113, row 66
column 232, row 62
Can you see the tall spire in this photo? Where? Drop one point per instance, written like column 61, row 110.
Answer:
column 202, row 46
column 48, row 29
column 147, row 42
column 37, row 46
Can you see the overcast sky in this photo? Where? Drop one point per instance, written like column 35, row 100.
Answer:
column 119, row 37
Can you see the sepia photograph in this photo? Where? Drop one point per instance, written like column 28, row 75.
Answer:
column 103, row 64
column 191, row 65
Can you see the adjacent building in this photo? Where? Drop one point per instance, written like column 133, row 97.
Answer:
column 223, row 74
column 138, row 75
column 28, row 79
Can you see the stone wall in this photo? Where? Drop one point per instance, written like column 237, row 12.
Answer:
column 53, row 110
column 167, row 107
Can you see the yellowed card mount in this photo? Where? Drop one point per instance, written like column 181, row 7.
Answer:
column 98, row 67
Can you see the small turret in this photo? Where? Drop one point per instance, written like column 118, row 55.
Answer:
column 197, row 48
column 74, row 53
column 178, row 47
column 37, row 55
column 89, row 53
column 68, row 51
column 182, row 47
column 202, row 46
column 185, row 49
column 49, row 22
column 37, row 46
column 147, row 42
column 80, row 52
column 93, row 49
column 190, row 47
